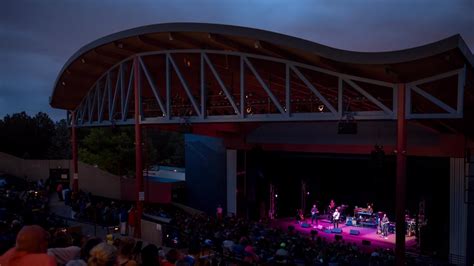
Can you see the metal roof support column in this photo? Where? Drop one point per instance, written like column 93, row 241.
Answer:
column 75, row 182
column 401, row 178
column 242, row 88
column 138, row 149
column 287, row 90
column 203, row 88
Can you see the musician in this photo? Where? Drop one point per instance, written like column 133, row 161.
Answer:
column 332, row 205
column 299, row 216
column 335, row 216
column 370, row 210
column 385, row 223
column 314, row 214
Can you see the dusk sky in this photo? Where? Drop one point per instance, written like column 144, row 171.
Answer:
column 38, row 37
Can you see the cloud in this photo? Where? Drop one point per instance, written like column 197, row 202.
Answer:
column 39, row 36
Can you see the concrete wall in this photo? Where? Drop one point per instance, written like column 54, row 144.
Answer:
column 91, row 179
column 99, row 182
column 154, row 192
column 152, row 232
column 33, row 169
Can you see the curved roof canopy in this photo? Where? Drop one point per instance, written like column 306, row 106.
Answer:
column 88, row 64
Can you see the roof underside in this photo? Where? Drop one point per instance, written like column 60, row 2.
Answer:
column 87, row 65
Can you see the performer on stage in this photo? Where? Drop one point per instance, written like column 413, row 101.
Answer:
column 385, row 223
column 369, row 208
column 314, row 214
column 332, row 205
column 336, row 215
column 299, row 216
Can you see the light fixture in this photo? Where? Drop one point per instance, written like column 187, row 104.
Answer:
column 257, row 44
column 321, row 107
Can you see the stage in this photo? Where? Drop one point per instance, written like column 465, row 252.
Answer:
column 366, row 233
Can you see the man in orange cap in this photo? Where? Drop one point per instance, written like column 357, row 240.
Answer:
column 30, row 249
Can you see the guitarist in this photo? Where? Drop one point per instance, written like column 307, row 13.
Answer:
column 314, row 214
column 336, row 215
column 385, row 222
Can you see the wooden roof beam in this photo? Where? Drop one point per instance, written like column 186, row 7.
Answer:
column 176, row 37
column 100, row 62
column 128, row 47
column 228, row 43
column 153, row 42
column 109, row 54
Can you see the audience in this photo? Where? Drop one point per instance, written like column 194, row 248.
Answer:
column 103, row 255
column 85, row 252
column 150, row 255
column 63, row 249
column 30, row 249
column 125, row 254
column 197, row 239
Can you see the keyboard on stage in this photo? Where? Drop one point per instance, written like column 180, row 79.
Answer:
column 362, row 212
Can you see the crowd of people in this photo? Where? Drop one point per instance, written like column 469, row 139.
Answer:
column 29, row 233
column 35, row 246
column 239, row 240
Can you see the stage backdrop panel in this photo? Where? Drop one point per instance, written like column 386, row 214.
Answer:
column 205, row 159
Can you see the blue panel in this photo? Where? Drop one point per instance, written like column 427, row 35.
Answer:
column 205, row 159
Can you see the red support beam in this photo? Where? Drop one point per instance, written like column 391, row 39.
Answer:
column 401, row 178
column 75, row 184
column 140, row 194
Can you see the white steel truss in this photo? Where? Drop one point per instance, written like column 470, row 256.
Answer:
column 110, row 94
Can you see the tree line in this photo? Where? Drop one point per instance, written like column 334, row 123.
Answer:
column 111, row 149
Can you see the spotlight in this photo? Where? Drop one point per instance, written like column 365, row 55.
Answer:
column 321, row 107
column 276, row 195
column 307, row 193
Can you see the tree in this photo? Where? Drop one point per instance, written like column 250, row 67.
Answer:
column 113, row 150
column 25, row 136
column 60, row 147
column 169, row 147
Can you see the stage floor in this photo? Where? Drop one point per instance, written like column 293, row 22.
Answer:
column 366, row 233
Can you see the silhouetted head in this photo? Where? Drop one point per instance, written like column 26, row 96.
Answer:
column 32, row 239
